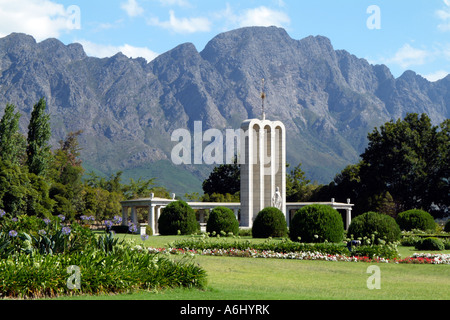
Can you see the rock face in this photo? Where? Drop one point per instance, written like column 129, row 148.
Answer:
column 128, row 108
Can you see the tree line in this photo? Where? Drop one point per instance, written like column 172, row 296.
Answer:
column 405, row 166
column 36, row 180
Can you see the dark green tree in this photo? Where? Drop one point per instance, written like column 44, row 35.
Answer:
column 439, row 170
column 384, row 203
column 405, row 166
column 39, row 133
column 113, row 184
column 23, row 193
column 66, row 173
column 12, row 143
column 143, row 188
column 296, row 185
column 224, row 179
column 346, row 185
column 407, row 158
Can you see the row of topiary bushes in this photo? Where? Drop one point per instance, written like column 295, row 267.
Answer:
column 315, row 223
column 311, row 224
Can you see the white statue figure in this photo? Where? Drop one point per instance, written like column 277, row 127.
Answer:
column 277, row 201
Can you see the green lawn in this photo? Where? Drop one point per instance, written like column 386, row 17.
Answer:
column 273, row 279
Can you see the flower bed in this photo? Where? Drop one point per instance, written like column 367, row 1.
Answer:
column 427, row 258
column 286, row 247
column 268, row 254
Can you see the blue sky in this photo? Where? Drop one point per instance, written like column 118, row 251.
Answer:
column 404, row 35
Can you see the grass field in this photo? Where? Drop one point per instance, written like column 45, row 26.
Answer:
column 232, row 278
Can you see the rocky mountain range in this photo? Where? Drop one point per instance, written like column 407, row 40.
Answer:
column 329, row 100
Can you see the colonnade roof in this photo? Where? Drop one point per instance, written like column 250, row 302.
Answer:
column 146, row 202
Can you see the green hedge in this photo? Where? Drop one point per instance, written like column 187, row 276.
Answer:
column 282, row 246
column 178, row 218
column 317, row 223
column 416, row 219
column 433, row 244
column 270, row 222
column 374, row 225
column 222, row 219
column 286, row 246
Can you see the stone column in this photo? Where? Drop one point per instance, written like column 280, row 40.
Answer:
column 348, row 219
column 236, row 213
column 151, row 217
column 124, row 216
column 134, row 218
column 158, row 214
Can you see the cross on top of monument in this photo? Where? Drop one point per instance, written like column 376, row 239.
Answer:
column 263, row 97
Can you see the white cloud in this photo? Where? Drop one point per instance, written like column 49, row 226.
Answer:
column 40, row 18
column 408, row 56
column 103, row 51
column 264, row 17
column 135, row 52
column 132, row 8
column 183, row 25
column 180, row 3
column 435, row 76
column 444, row 15
column 260, row 16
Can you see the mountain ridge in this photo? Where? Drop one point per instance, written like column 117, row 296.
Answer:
column 127, row 108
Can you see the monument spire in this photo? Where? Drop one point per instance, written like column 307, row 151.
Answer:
column 263, row 97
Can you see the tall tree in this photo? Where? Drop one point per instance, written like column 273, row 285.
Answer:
column 346, row 185
column 296, row 185
column 66, row 174
column 12, row 144
column 224, row 179
column 406, row 158
column 405, row 166
column 439, row 190
column 39, row 133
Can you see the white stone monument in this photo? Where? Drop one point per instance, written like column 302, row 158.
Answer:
column 263, row 167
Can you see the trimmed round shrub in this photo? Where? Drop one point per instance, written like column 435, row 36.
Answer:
column 416, row 219
column 270, row 222
column 317, row 223
column 178, row 217
column 447, row 244
column 222, row 219
column 447, row 226
column 431, row 243
column 372, row 223
column 148, row 230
